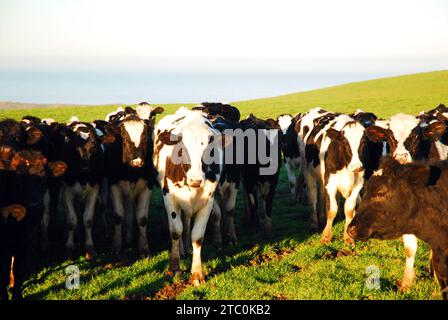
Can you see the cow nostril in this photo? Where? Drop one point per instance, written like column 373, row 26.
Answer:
column 195, row 183
column 137, row 163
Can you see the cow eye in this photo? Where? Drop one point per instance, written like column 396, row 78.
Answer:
column 381, row 193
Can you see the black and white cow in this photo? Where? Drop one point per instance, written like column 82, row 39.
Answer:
column 291, row 155
column 84, row 156
column 307, row 128
column 407, row 139
column 184, row 143
column 259, row 144
column 130, row 172
column 224, row 117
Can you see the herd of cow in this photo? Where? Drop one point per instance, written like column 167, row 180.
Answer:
column 390, row 173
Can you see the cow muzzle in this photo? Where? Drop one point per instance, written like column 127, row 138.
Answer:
column 195, row 183
column 355, row 167
column 136, row 163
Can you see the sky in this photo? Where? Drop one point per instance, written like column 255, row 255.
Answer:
column 236, row 34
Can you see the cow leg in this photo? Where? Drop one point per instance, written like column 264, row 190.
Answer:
column 197, row 235
column 216, row 221
column 332, row 210
column 252, row 205
column 144, row 201
column 89, row 213
column 71, row 220
column 290, row 170
column 5, row 270
column 268, row 197
column 129, row 217
column 45, row 221
column 229, row 210
column 349, row 211
column 176, row 227
column 18, row 270
column 301, row 188
column 117, row 203
column 312, row 191
column 410, row 248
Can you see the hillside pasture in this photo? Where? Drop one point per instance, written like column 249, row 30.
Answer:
column 291, row 265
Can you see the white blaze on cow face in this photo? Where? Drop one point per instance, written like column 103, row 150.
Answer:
column 401, row 126
column 354, row 133
column 195, row 141
column 284, row 121
column 135, row 131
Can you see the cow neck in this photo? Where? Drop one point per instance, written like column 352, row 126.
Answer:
column 431, row 230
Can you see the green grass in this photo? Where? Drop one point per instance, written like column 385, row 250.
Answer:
column 292, row 265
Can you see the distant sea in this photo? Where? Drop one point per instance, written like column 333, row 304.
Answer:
column 104, row 87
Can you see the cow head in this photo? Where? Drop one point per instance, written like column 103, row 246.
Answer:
column 84, row 139
column 134, row 137
column 367, row 119
column 347, row 147
column 406, row 137
column 388, row 207
column 29, row 162
column 193, row 149
column 11, row 133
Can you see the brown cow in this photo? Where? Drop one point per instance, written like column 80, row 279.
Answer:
column 408, row 199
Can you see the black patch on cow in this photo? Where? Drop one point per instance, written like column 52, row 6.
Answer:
column 165, row 190
column 434, row 175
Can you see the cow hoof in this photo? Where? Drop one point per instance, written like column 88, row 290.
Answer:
column 69, row 253
column 91, row 255
column 197, row 279
column 313, row 228
column 349, row 241
column 17, row 295
column 325, row 240
column 144, row 253
column 405, row 285
column 173, row 273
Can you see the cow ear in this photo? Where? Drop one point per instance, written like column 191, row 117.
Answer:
column 57, row 168
column 415, row 175
column 376, row 134
column 388, row 166
column 272, row 123
column 129, row 110
column 333, row 134
column 434, row 131
column 157, row 110
column 33, row 135
column 107, row 138
column 112, row 129
column 168, row 138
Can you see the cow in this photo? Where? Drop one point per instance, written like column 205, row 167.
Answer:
column 22, row 188
column 188, row 157
column 130, row 172
column 406, row 138
column 219, row 109
column 259, row 139
column 291, row 155
column 307, row 127
column 408, row 199
column 224, row 117
column 82, row 152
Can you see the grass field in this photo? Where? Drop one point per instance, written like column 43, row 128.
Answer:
column 292, row 265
